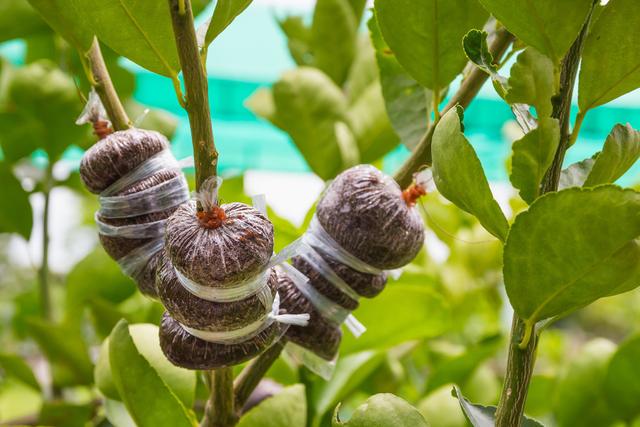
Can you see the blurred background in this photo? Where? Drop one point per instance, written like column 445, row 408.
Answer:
column 458, row 328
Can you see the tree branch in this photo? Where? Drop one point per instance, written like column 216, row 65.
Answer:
column 219, row 411
column 196, row 88
column 101, row 82
column 253, row 373
column 465, row 94
column 520, row 361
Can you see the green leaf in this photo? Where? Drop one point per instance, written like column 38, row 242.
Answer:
column 383, row 410
column 363, row 72
column 571, row 248
column 580, row 396
column 61, row 413
column 408, row 104
column 140, row 31
column 82, row 286
column 621, row 150
column 117, row 414
column 533, row 82
column 308, row 107
column 152, row 119
column 532, row 157
column 419, row 313
column 622, row 381
column 459, row 368
column 223, row 15
column 483, row 416
column 548, row 25
column 65, row 347
column 287, row 408
column 147, row 398
column 67, row 18
column 18, row 219
column 349, row 373
column 45, row 101
column 15, row 366
column 576, row 174
column 19, row 20
column 370, row 125
column 476, row 48
column 425, row 35
column 458, row 174
column 298, row 39
column 611, row 61
column 333, row 38
column 181, row 382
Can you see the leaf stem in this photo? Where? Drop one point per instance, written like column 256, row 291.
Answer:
column 465, row 94
column 101, row 81
column 196, row 88
column 436, row 104
column 521, row 357
column 576, row 128
column 43, row 271
column 253, row 373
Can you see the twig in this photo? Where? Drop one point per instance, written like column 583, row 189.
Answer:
column 43, row 271
column 219, row 410
column 465, row 94
column 101, row 81
column 520, row 361
column 253, row 373
column 196, row 88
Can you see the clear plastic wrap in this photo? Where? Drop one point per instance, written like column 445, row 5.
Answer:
column 148, row 230
column 322, row 367
column 135, row 261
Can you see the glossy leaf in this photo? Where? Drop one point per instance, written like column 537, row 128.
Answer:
column 550, row 26
column 181, row 382
column 223, row 15
column 147, row 398
column 14, row 366
column 419, row 312
column 138, row 30
column 533, row 82
column 483, row 416
column 287, row 408
column 298, row 39
column 19, row 218
column 459, row 176
column 308, row 105
column 532, row 157
column 622, row 381
column 382, row 410
column 571, row 248
column 64, row 346
column 611, row 62
column 425, row 35
column 67, row 18
column 476, row 48
column 349, row 373
column 407, row 103
column 19, row 20
column 370, row 125
column 61, row 413
column 117, row 414
column 333, row 38
column 620, row 151
column 580, row 396
column 46, row 102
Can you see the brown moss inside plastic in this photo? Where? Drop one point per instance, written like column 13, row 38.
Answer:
column 187, row 351
column 204, row 315
column 118, row 154
column 319, row 336
column 365, row 212
column 236, row 250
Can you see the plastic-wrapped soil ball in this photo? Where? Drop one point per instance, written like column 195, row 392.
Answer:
column 118, row 247
column 185, row 350
column 364, row 284
column 197, row 313
column 221, row 247
column 363, row 210
column 118, row 154
column 320, row 336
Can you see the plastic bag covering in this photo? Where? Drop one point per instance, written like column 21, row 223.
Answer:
column 318, row 365
column 93, row 110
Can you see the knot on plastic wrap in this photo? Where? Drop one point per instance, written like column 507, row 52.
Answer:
column 95, row 114
column 245, row 333
column 421, row 185
column 211, row 215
